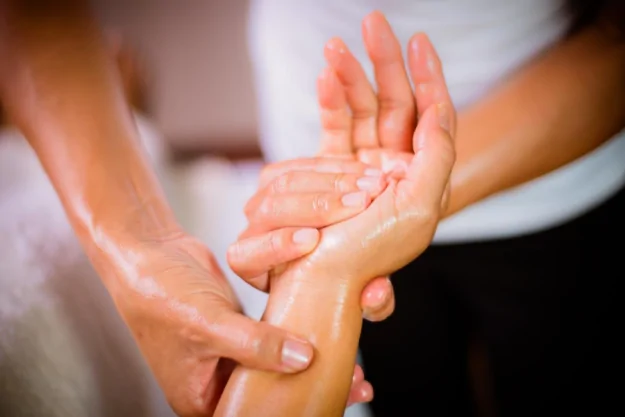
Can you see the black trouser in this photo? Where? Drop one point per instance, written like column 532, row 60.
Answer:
column 545, row 307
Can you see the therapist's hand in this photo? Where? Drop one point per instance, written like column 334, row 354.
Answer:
column 295, row 198
column 189, row 326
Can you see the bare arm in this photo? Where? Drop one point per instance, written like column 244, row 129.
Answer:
column 562, row 106
column 60, row 87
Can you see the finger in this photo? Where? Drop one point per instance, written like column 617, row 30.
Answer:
column 259, row 345
column 358, row 376
column 360, row 393
column 397, row 113
column 253, row 257
column 427, row 76
column 314, row 182
column 298, row 183
column 305, row 210
column 336, row 122
column 361, row 97
column 428, row 173
column 378, row 299
column 318, row 164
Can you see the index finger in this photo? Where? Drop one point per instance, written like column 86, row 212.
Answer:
column 316, row 164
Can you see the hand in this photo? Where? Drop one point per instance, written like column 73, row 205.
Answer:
column 187, row 323
column 294, row 199
column 400, row 223
column 382, row 126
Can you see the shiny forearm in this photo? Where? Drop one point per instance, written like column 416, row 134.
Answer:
column 560, row 107
column 61, row 89
column 297, row 296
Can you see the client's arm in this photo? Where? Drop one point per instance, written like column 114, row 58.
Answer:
column 319, row 294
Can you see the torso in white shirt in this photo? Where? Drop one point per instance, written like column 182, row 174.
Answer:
column 480, row 42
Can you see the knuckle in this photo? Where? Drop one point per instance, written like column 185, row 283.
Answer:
column 266, row 173
column 320, row 203
column 275, row 243
column 340, row 183
column 282, row 183
column 249, row 208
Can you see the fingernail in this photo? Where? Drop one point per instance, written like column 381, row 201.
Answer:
column 444, row 117
column 296, row 355
column 373, row 172
column 306, row 237
column 369, row 183
column 354, row 199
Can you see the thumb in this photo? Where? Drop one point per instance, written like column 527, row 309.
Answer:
column 429, row 171
column 259, row 345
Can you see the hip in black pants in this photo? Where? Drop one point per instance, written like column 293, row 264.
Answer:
column 544, row 306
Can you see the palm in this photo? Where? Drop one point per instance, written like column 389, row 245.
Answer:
column 358, row 123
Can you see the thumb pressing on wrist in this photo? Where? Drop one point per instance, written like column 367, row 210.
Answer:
column 259, row 345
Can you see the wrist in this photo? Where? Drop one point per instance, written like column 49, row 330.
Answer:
column 467, row 182
column 120, row 220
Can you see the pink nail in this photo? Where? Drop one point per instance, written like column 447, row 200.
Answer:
column 355, row 199
column 296, row 355
column 373, row 172
column 369, row 183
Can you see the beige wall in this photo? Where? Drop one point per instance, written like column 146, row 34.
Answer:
column 202, row 86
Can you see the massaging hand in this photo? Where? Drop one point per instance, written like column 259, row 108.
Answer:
column 189, row 326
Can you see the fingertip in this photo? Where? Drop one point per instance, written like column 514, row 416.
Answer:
column 371, row 19
column 366, row 392
column 360, row 393
column 418, row 41
column 333, row 49
column 378, row 299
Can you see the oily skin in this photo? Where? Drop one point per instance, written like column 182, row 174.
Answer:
column 381, row 127
column 497, row 146
column 594, row 56
column 60, row 88
column 319, row 294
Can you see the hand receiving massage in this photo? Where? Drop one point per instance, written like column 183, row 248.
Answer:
column 319, row 294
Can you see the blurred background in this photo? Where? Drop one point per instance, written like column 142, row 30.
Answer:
column 197, row 70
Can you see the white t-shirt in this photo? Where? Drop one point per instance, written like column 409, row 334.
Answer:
column 479, row 42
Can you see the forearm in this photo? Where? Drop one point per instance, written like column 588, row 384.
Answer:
column 560, row 107
column 61, row 89
column 324, row 310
